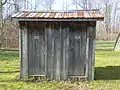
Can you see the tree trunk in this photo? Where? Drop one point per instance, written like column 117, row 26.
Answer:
column 0, row 23
column 117, row 44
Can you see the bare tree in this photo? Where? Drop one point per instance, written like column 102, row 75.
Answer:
column 47, row 4
column 1, row 21
column 84, row 4
column 108, row 10
column 35, row 4
column 4, row 29
column 8, row 7
column 80, row 3
column 117, row 25
column 66, row 5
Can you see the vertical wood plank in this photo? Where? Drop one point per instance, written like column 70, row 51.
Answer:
column 64, row 53
column 49, row 54
column 71, row 52
column 91, row 34
column 42, row 51
column 55, row 59
column 83, row 51
column 93, row 53
column 24, row 60
column 20, row 52
column 57, row 43
column 45, row 52
column 87, row 57
column 34, row 51
column 84, row 42
column 29, row 50
column 52, row 54
column 66, row 57
column 61, row 53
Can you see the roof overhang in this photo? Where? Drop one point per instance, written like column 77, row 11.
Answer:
column 60, row 20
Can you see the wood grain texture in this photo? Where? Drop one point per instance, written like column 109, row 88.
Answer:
column 24, row 53
column 58, row 50
column 91, row 34
column 20, row 52
column 77, row 51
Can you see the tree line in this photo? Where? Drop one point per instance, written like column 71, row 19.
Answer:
column 106, row 30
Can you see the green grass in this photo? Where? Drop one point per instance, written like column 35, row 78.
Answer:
column 105, row 45
column 107, row 73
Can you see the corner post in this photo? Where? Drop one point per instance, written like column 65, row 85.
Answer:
column 23, row 52
column 91, row 36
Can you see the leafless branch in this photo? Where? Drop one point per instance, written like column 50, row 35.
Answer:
column 4, row 2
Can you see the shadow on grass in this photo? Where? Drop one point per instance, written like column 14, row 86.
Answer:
column 9, row 71
column 107, row 73
column 9, row 49
column 10, row 80
column 105, row 49
column 8, row 55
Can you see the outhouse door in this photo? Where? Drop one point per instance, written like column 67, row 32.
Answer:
column 77, row 52
column 48, row 52
column 36, row 52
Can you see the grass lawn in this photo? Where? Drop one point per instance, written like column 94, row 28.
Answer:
column 107, row 73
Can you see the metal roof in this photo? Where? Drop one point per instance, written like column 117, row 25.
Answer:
column 55, row 15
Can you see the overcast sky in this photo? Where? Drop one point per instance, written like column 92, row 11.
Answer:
column 58, row 5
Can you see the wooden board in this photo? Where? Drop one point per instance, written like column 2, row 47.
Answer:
column 23, row 42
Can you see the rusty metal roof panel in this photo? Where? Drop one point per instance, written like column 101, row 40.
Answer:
column 80, row 14
column 93, row 14
column 59, row 15
column 52, row 15
column 99, row 15
column 38, row 15
column 75, row 15
column 65, row 15
column 15, row 15
column 47, row 15
column 71, row 15
column 25, row 14
column 19, row 15
column 86, row 15
column 62, row 15
column 29, row 15
column 42, row 15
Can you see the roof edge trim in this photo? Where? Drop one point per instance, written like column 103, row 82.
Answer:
column 61, row 20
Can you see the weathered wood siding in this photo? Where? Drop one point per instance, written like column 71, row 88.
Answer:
column 36, row 51
column 23, row 44
column 48, row 51
column 77, row 50
column 90, row 50
column 58, row 51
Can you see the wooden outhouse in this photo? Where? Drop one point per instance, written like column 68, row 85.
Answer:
column 57, row 45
